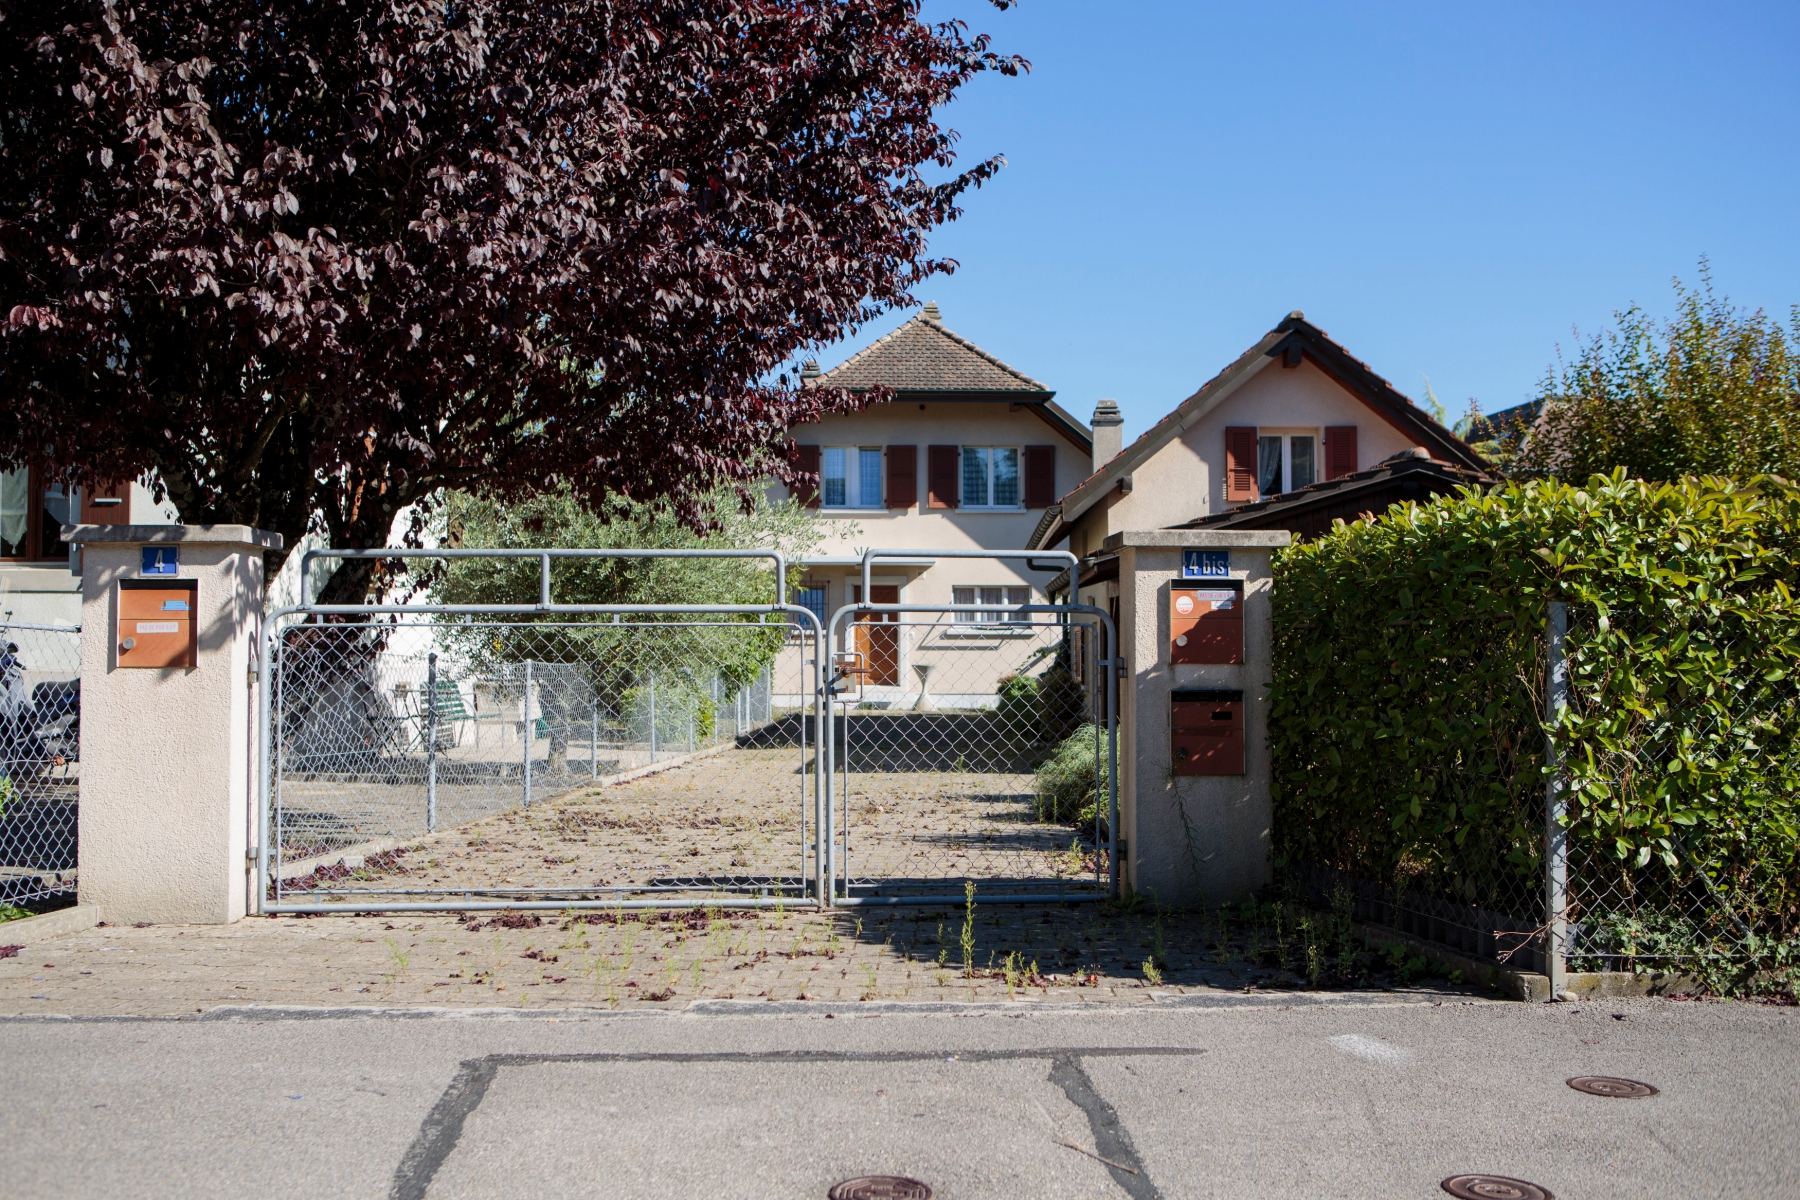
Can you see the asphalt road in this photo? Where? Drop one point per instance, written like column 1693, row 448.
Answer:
column 1339, row 1099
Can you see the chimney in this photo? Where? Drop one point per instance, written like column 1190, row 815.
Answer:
column 1109, row 432
column 809, row 371
column 931, row 311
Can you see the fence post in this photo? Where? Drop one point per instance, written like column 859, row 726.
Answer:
column 525, row 727
column 1556, row 844
column 431, row 737
column 594, row 737
column 653, row 718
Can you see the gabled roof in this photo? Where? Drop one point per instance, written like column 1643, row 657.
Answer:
column 1297, row 339
column 922, row 360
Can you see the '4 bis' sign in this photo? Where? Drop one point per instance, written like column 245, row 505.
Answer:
column 1206, row 564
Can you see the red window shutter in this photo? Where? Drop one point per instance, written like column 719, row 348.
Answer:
column 1040, row 476
column 941, row 483
column 1240, row 464
column 808, row 493
column 1340, row 450
column 902, row 476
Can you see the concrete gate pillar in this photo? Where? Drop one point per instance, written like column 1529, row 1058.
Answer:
column 169, row 620
column 1192, row 839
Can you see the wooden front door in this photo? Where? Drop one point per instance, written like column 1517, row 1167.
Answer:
column 878, row 637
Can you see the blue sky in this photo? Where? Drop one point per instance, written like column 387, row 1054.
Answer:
column 1447, row 189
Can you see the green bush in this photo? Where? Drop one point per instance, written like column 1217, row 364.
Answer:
column 1071, row 783
column 1406, row 731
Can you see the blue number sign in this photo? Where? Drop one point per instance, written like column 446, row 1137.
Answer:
column 1206, row 564
column 161, row 560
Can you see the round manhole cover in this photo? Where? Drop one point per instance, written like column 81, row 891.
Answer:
column 881, row 1187
column 1607, row 1085
column 1494, row 1187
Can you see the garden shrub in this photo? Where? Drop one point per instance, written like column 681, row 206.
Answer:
column 1406, row 727
column 1071, row 783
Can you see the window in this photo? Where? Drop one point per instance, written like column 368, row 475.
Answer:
column 990, row 477
column 812, row 596
column 850, row 477
column 1012, row 596
column 1285, row 462
column 32, row 515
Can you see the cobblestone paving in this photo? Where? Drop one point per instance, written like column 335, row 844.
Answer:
column 648, row 960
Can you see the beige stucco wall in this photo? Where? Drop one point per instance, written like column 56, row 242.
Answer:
column 166, row 801
column 1193, row 840
column 849, row 531
column 1185, row 478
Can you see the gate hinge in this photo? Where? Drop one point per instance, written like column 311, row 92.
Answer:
column 250, row 854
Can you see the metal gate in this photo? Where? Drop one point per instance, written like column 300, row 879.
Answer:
column 462, row 758
column 971, row 747
column 458, row 758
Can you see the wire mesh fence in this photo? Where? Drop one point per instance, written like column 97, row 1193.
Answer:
column 971, row 748
column 380, row 730
column 40, row 756
column 1682, row 755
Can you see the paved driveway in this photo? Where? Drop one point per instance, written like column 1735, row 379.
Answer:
column 1211, row 1097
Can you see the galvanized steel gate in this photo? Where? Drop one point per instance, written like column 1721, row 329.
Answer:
column 386, row 729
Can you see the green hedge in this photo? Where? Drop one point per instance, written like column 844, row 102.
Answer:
column 1406, row 723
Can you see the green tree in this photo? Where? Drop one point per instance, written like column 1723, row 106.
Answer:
column 1713, row 391
column 686, row 663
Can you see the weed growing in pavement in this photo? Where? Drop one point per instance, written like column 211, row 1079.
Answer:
column 869, row 992
column 968, row 931
column 1151, row 974
column 400, row 958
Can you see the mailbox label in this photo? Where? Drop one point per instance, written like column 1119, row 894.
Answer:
column 161, row 560
column 1206, row 564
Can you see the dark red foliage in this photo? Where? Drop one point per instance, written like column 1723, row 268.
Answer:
column 297, row 256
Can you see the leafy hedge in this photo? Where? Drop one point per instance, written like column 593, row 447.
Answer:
column 1406, row 721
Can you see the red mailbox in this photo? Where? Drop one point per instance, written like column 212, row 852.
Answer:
column 1206, row 732
column 1206, row 624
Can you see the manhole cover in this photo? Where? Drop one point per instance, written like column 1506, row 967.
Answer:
column 1494, row 1187
column 1606, row 1085
column 881, row 1187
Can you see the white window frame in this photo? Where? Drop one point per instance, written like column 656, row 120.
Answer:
column 962, row 457
column 1287, row 437
column 854, row 478
column 997, row 622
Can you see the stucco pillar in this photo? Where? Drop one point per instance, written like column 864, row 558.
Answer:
column 166, row 751
column 1191, row 840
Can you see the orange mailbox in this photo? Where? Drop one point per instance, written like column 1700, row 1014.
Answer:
column 156, row 623
column 1206, row 624
column 1206, row 732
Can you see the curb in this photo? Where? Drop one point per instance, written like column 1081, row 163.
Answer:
column 52, row 924
column 1511, row 982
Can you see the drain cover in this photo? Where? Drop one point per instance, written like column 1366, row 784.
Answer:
column 1494, row 1187
column 1606, row 1085
column 881, row 1187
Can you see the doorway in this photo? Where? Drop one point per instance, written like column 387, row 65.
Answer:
column 878, row 636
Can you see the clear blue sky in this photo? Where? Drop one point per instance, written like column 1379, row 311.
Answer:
column 1447, row 189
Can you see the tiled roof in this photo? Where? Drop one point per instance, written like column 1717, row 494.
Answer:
column 923, row 357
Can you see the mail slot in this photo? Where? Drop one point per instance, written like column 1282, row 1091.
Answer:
column 1206, row 732
column 156, row 623
column 1206, row 624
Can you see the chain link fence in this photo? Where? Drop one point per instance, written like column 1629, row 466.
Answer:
column 40, row 763
column 383, row 732
column 1677, row 855
column 971, row 748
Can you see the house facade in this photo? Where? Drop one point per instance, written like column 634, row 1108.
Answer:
column 968, row 454
column 1294, row 411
